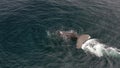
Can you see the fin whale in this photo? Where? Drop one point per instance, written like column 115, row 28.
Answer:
column 73, row 35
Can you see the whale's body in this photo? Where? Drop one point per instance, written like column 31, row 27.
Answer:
column 73, row 35
column 81, row 40
column 89, row 45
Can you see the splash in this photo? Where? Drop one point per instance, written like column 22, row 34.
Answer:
column 94, row 47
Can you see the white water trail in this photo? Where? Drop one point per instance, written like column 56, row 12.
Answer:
column 94, row 47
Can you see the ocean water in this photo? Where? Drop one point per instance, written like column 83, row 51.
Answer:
column 27, row 28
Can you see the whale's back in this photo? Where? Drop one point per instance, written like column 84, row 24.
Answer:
column 81, row 39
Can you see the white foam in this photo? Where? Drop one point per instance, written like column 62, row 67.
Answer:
column 94, row 47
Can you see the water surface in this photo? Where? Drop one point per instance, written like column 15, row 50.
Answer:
column 24, row 42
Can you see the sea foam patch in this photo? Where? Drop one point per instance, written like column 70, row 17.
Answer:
column 99, row 49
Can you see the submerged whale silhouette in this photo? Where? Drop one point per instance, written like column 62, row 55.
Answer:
column 73, row 35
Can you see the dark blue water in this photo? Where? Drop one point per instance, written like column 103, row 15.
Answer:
column 24, row 42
